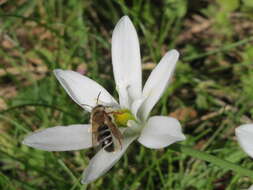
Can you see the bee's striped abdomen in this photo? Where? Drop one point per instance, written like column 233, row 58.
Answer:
column 105, row 138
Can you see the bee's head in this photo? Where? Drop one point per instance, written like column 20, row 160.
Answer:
column 98, row 108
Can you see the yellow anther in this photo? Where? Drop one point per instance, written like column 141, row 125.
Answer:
column 121, row 117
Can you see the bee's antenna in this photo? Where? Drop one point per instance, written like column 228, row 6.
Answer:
column 98, row 97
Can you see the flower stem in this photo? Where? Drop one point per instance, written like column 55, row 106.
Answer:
column 218, row 50
column 212, row 159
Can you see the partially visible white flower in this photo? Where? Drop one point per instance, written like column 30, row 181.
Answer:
column 153, row 132
column 244, row 134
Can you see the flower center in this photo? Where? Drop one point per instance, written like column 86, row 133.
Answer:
column 121, row 117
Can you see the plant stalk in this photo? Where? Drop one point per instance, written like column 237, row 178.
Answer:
column 212, row 159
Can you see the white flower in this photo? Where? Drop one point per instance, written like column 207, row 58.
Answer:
column 244, row 134
column 153, row 132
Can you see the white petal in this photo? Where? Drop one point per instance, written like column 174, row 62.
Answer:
column 251, row 187
column 83, row 90
column 157, row 82
column 104, row 161
column 126, row 61
column 244, row 135
column 136, row 105
column 61, row 138
column 161, row 131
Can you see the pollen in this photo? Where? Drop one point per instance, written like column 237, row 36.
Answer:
column 121, row 117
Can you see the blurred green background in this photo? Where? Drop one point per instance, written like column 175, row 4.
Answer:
column 211, row 92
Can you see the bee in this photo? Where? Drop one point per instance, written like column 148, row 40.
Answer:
column 104, row 130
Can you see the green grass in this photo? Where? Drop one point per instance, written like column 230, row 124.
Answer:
column 211, row 94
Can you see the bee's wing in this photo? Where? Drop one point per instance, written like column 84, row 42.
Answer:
column 94, row 134
column 115, row 133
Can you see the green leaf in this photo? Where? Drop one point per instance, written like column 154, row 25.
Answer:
column 229, row 5
column 248, row 3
